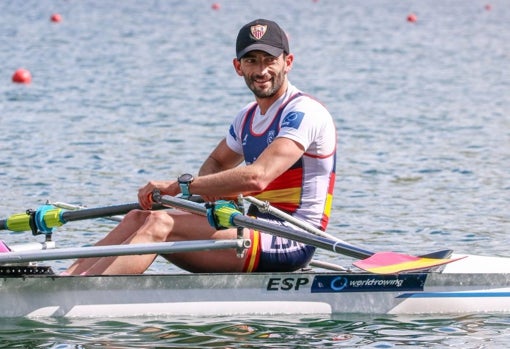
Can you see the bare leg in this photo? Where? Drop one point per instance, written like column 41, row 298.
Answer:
column 192, row 227
column 158, row 226
column 121, row 234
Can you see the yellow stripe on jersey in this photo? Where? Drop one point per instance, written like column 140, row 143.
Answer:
column 288, row 196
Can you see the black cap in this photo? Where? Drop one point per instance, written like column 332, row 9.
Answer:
column 263, row 35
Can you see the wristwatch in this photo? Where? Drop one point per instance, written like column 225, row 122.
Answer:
column 184, row 182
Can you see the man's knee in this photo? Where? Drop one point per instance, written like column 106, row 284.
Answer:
column 154, row 224
column 136, row 216
column 158, row 217
column 159, row 224
column 149, row 217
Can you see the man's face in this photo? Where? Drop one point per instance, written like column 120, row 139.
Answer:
column 264, row 74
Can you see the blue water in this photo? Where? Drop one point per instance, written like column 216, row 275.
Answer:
column 127, row 91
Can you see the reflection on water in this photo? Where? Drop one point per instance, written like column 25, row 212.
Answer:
column 353, row 331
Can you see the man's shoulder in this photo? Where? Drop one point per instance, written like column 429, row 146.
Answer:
column 307, row 103
column 302, row 99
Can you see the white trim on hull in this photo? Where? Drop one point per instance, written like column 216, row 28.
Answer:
column 477, row 264
column 493, row 300
column 186, row 308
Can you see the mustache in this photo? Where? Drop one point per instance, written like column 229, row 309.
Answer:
column 260, row 77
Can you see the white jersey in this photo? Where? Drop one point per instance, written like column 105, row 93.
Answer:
column 306, row 189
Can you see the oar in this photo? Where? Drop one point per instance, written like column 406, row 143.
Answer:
column 46, row 217
column 381, row 262
column 265, row 207
column 122, row 250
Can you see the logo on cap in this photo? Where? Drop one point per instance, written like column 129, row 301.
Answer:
column 258, row 31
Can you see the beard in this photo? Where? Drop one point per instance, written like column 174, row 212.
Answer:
column 275, row 82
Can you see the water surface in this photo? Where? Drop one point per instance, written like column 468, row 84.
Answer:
column 124, row 92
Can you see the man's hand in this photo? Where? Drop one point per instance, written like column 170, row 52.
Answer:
column 164, row 187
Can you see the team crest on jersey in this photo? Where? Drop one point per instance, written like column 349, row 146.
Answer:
column 293, row 119
column 258, row 31
column 270, row 137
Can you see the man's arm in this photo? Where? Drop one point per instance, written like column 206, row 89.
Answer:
column 279, row 156
column 220, row 177
column 222, row 158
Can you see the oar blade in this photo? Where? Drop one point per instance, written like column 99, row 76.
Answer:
column 394, row 263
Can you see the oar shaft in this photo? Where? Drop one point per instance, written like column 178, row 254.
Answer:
column 98, row 212
column 302, row 236
column 266, row 207
column 279, row 230
column 122, row 250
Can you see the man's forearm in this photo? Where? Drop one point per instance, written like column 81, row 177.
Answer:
column 209, row 166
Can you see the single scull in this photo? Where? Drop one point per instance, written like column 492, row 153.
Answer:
column 458, row 284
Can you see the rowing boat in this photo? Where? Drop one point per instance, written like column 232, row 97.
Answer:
column 471, row 285
column 465, row 284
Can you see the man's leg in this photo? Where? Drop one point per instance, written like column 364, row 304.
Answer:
column 121, row 234
column 198, row 228
column 159, row 226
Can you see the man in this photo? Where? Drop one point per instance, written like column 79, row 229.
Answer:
column 288, row 143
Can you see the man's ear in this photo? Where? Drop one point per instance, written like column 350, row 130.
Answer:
column 289, row 60
column 237, row 66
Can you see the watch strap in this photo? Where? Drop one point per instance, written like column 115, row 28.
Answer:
column 185, row 189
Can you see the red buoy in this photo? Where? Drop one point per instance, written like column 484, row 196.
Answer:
column 488, row 7
column 56, row 18
column 216, row 6
column 22, row 76
column 412, row 18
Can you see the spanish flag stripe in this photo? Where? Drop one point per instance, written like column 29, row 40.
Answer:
column 289, row 195
column 252, row 258
column 393, row 262
column 329, row 202
column 291, row 178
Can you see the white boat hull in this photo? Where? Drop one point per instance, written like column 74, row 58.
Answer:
column 260, row 293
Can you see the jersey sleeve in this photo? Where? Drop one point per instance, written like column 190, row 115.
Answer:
column 308, row 123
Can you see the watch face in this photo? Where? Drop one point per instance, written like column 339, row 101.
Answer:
column 185, row 178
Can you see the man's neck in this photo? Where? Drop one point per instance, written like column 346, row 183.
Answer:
column 266, row 103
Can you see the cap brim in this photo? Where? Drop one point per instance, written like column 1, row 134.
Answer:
column 273, row 51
